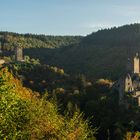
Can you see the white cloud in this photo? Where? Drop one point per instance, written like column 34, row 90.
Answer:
column 97, row 26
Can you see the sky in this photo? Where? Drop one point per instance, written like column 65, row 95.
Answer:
column 66, row 17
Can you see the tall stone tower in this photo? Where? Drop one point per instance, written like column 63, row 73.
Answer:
column 136, row 64
column 18, row 54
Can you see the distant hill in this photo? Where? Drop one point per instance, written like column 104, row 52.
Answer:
column 101, row 54
column 125, row 35
column 10, row 40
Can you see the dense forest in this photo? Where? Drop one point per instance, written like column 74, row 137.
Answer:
column 63, row 88
column 101, row 54
column 97, row 55
column 10, row 40
column 71, row 95
column 27, row 115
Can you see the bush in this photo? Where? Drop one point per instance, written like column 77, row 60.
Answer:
column 24, row 116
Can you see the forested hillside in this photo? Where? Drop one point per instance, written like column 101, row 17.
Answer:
column 26, row 115
column 10, row 40
column 100, row 54
column 56, row 88
column 97, row 101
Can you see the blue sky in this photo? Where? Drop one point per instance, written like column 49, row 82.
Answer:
column 66, row 17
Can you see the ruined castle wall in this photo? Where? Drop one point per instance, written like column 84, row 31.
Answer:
column 128, row 84
column 136, row 65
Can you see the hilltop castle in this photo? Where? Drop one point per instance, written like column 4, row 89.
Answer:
column 19, row 54
column 128, row 84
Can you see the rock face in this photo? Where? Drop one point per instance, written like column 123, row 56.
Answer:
column 129, row 83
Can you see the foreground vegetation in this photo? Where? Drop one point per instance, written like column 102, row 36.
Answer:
column 95, row 98
column 27, row 115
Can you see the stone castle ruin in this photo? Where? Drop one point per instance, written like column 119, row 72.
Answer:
column 128, row 84
column 19, row 54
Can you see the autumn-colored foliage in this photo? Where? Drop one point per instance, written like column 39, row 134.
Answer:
column 25, row 115
column 132, row 136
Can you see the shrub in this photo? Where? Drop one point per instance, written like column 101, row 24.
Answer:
column 25, row 116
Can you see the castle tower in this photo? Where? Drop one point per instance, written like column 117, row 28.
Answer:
column 18, row 54
column 136, row 64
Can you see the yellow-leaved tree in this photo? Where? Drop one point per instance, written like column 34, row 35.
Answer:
column 25, row 115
